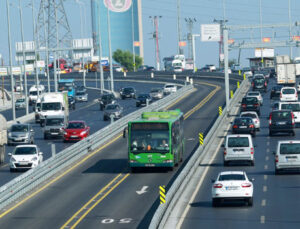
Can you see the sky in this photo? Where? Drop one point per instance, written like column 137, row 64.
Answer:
column 237, row 12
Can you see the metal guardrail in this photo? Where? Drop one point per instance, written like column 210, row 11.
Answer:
column 34, row 177
column 178, row 186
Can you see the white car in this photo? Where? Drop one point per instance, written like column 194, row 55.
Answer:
column 238, row 148
column 19, row 88
column 293, row 106
column 287, row 156
column 170, row 88
column 177, row 69
column 288, row 94
column 257, row 95
column 232, row 185
column 25, row 157
column 254, row 116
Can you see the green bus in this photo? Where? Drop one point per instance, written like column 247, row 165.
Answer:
column 156, row 140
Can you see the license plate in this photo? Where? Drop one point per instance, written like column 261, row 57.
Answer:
column 250, row 105
column 54, row 133
column 23, row 163
column 231, row 188
column 238, row 150
column 281, row 123
column 149, row 165
column 243, row 126
column 74, row 136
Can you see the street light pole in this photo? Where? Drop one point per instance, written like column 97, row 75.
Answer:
column 290, row 29
column 179, row 50
column 225, row 45
column 47, row 52
column 10, row 64
column 110, row 54
column 100, row 52
column 194, row 50
column 132, row 26
column 23, row 52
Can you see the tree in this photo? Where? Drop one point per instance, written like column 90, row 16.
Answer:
column 125, row 58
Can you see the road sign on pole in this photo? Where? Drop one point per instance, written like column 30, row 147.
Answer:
column 210, row 32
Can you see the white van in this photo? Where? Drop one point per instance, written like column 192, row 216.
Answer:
column 33, row 93
column 288, row 94
column 293, row 106
column 287, row 156
column 238, row 147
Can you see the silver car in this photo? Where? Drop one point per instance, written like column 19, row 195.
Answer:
column 257, row 95
column 81, row 96
column 157, row 93
column 254, row 116
column 20, row 103
column 114, row 110
column 20, row 134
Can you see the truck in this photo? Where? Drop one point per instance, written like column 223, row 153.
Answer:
column 297, row 65
column 67, row 85
column 34, row 90
column 3, row 137
column 54, row 104
column 285, row 70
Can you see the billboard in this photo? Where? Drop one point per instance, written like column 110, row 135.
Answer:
column 265, row 52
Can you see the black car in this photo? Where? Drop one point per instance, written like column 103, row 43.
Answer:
column 250, row 104
column 275, row 92
column 106, row 99
column 259, row 83
column 71, row 101
column 81, row 89
column 244, row 125
column 128, row 92
column 281, row 121
column 142, row 100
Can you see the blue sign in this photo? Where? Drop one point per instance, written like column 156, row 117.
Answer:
column 104, row 62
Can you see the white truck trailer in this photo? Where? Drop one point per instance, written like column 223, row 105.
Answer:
column 286, row 71
column 3, row 138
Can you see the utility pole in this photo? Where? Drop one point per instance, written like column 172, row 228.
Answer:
column 179, row 50
column 10, row 63
column 290, row 29
column 155, row 37
column 47, row 52
column 132, row 27
column 110, row 52
column 221, row 46
column 194, row 50
column 100, row 52
column 190, row 24
column 24, row 60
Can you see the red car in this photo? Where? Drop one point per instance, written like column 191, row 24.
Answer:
column 76, row 131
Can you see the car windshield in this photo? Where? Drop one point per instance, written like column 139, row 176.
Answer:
column 128, row 89
column 169, row 86
column 80, row 93
column 112, row 107
column 253, row 93
column 238, row 142
column 249, row 100
column 259, row 80
column 155, row 90
column 20, row 101
column 51, row 106
column 19, row 128
column 144, row 96
column 288, row 91
column 242, row 121
column 290, row 148
column 54, row 122
column 24, row 151
column 281, row 115
column 106, row 97
column 292, row 106
column 227, row 177
column 250, row 115
column 75, row 125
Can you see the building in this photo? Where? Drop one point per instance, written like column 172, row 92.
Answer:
column 123, row 28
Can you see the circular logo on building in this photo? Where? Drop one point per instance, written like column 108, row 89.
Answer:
column 118, row 5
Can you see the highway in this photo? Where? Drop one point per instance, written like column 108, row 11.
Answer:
column 275, row 197
column 92, row 193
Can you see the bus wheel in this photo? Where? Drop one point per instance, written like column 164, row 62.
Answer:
column 133, row 169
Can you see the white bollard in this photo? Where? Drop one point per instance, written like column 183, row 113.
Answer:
column 187, row 79
column 174, row 77
column 152, row 75
column 125, row 74
column 53, row 150
column 191, row 81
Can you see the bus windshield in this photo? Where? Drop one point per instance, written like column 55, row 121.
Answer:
column 149, row 138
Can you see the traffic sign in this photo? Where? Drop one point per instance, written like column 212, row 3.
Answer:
column 16, row 70
column 3, row 71
column 210, row 32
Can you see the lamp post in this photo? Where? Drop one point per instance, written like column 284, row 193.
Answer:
column 110, row 54
column 10, row 64
column 132, row 27
column 23, row 52
column 194, row 52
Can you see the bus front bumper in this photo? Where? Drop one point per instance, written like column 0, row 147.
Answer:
column 137, row 164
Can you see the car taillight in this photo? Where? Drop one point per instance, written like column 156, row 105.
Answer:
column 252, row 150
column 280, row 95
column 276, row 158
column 218, row 185
column 265, row 84
column 252, row 84
column 244, row 105
column 246, row 185
column 293, row 119
column 251, row 126
column 256, row 105
column 225, row 152
column 235, row 126
column 270, row 119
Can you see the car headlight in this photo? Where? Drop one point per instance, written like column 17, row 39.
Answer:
column 34, row 159
column 12, row 159
column 83, row 133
